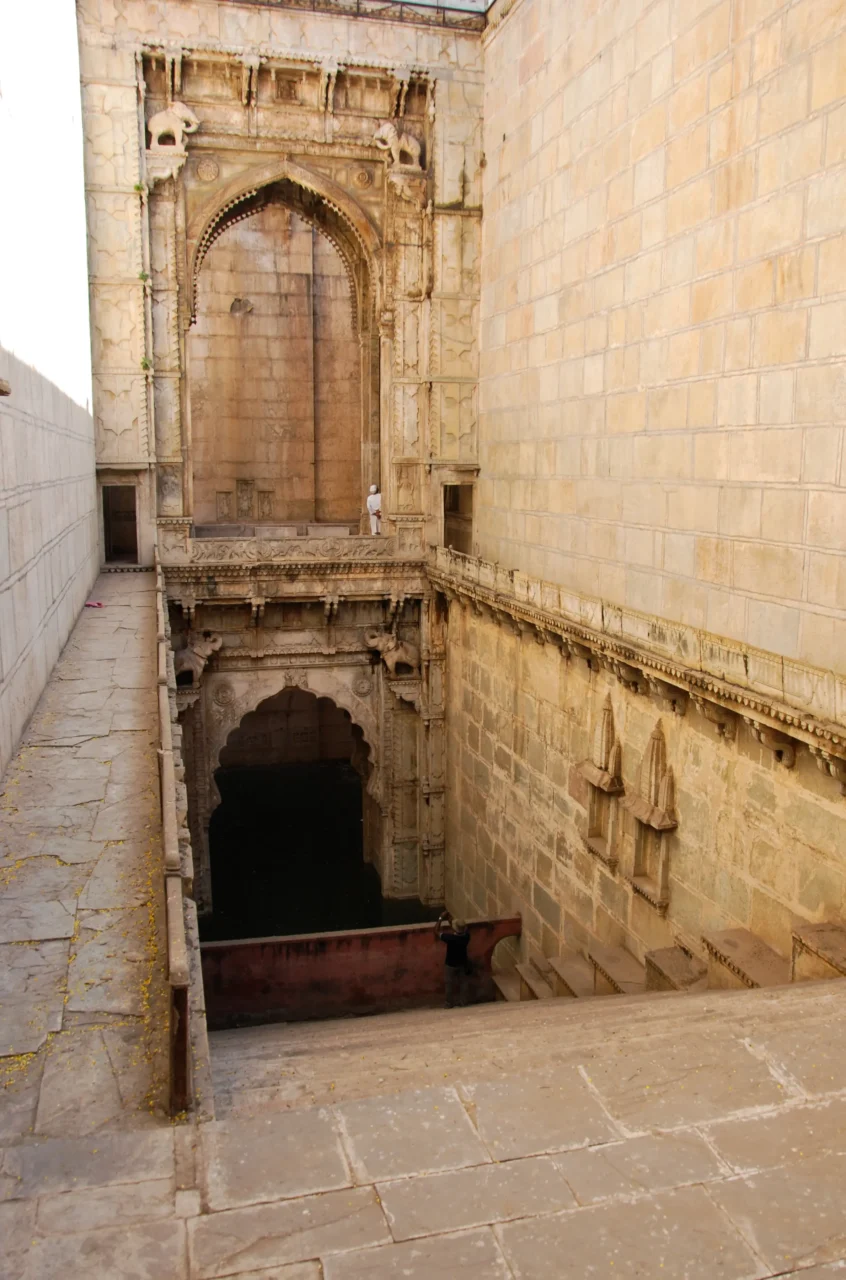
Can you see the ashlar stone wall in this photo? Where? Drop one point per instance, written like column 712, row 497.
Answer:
column 49, row 541
column 756, row 843
column 663, row 391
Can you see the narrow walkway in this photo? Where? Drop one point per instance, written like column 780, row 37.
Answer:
column 82, row 984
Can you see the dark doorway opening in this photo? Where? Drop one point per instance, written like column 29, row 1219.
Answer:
column 293, row 842
column 458, row 517
column 119, row 524
column 286, row 852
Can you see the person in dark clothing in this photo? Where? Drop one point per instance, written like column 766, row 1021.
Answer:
column 456, row 937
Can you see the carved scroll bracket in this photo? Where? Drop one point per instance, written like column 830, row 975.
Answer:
column 724, row 720
column 782, row 747
column 834, row 766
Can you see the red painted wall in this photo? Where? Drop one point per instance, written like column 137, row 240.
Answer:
column 328, row 975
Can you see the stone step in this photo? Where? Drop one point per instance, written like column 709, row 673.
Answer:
column 737, row 958
column 819, row 951
column 572, row 975
column 532, row 985
column 507, row 984
column 674, row 969
column 616, row 971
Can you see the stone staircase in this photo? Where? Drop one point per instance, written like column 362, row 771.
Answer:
column 736, row 960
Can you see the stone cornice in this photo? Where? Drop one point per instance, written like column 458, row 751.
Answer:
column 809, row 705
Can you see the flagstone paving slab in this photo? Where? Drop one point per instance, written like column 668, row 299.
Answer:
column 272, row 1157
column 678, row 1233
column 153, row 1251
column 788, row 1135
column 416, row 1132
column 465, row 1198
column 536, row 1113
column 288, row 1231
column 638, row 1165
column 796, row 1216
column 474, row 1255
column 688, row 1081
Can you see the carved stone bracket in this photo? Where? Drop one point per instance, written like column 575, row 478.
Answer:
column 725, row 720
column 162, row 165
column 834, row 766
column 671, row 697
column 408, row 689
column 782, row 747
column 600, row 778
column 630, row 677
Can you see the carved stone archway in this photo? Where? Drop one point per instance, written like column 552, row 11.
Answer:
column 320, row 204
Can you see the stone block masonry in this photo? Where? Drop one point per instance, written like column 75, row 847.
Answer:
column 663, row 393
column 602, row 805
column 49, row 542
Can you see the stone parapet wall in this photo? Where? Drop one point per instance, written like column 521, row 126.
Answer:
column 603, row 795
column 49, row 544
column 663, row 395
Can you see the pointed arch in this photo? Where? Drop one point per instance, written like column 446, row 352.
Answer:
column 318, row 201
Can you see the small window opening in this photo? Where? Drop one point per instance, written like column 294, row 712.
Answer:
column 458, row 517
column 119, row 524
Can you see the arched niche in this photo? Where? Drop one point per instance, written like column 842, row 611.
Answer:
column 282, row 358
column 294, row 841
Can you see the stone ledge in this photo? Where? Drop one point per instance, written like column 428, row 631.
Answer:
column 819, row 951
column 801, row 701
column 674, row 969
column 619, row 969
column 749, row 961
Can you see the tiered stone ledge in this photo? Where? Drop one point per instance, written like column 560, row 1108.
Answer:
column 819, row 952
column 787, row 702
column 737, row 958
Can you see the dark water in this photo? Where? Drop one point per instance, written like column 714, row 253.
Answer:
column 286, row 856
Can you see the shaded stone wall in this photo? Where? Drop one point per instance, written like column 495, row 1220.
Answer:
column 275, row 378
column 755, row 844
column 663, row 393
column 49, row 543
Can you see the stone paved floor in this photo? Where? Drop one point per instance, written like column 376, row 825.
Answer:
column 690, row 1137
column 82, row 985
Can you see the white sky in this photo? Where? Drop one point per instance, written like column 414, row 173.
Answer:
column 44, row 281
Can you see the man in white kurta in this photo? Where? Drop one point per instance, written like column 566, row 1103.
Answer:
column 374, row 509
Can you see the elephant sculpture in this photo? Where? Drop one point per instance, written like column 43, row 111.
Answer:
column 389, row 138
column 193, row 658
column 167, row 128
column 394, row 651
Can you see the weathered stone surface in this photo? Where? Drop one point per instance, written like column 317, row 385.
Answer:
column 782, row 1138
column 789, row 1229
column 413, row 1132
column 272, row 1158
column 48, row 1166
column 537, row 1113
column 638, row 1166
column 679, row 1232
column 154, row 1251
column 268, row 1235
column 91, row 1209
column 471, row 1197
column 640, row 1088
column 474, row 1254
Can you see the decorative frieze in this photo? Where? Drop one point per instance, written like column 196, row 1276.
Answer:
column 628, row 644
